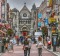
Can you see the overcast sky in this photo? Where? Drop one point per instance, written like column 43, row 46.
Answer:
column 19, row 3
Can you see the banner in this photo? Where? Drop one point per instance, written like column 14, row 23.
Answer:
column 49, row 3
column 39, row 15
column 51, row 19
column 39, row 24
column 46, row 21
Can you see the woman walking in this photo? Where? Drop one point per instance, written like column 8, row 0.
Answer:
column 30, row 44
column 10, row 47
column 26, row 46
column 39, row 45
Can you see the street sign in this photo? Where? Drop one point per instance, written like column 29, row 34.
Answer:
column 51, row 19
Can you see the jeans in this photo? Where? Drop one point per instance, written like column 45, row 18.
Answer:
column 27, row 52
column 39, row 51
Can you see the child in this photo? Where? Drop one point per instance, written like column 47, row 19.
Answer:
column 10, row 46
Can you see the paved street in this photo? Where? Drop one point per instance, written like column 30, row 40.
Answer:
column 18, row 51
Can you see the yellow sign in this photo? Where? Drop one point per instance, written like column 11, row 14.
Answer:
column 50, row 3
column 51, row 19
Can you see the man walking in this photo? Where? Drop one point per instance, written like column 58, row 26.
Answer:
column 26, row 46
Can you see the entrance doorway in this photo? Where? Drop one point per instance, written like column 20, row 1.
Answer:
column 24, row 33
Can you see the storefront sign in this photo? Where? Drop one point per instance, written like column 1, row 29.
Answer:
column 39, row 15
column 46, row 21
column 39, row 24
column 49, row 3
column 51, row 19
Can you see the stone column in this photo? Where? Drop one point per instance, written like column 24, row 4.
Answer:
column 0, row 8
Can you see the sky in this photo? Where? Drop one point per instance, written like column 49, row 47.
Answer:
column 20, row 3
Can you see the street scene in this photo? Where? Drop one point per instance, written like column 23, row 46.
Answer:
column 18, row 51
column 29, row 27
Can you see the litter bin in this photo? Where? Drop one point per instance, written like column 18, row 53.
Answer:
column 0, row 46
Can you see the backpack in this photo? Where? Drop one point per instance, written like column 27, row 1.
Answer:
column 26, row 42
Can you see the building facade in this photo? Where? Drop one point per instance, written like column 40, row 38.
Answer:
column 0, row 8
column 5, row 10
column 25, row 21
column 14, row 20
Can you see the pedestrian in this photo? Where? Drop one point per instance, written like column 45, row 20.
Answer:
column 10, row 46
column 6, row 45
column 48, row 43
column 21, row 39
column 25, row 46
column 3, row 44
column 30, row 44
column 39, row 45
column 48, row 38
column 17, row 40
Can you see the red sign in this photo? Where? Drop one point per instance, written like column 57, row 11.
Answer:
column 24, row 33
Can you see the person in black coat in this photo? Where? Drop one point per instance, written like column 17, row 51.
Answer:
column 3, row 43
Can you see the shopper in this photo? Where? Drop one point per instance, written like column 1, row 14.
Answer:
column 30, row 44
column 6, row 45
column 26, row 46
column 39, row 45
column 10, row 46
column 3, row 44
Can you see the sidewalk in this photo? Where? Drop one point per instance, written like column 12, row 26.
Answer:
column 57, row 53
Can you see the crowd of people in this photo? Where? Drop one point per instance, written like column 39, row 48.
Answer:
column 26, row 41
column 7, row 44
